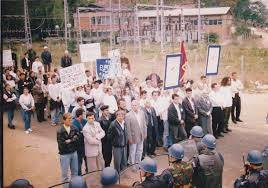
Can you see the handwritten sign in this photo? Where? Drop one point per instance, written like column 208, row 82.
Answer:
column 213, row 59
column 7, row 58
column 73, row 76
column 89, row 52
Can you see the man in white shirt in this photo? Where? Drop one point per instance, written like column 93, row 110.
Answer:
column 137, row 131
column 97, row 93
column 217, row 100
column 37, row 63
column 109, row 100
column 237, row 87
column 54, row 91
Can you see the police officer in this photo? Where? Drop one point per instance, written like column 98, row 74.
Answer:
column 196, row 135
column 265, row 158
column 109, row 178
column 21, row 183
column 208, row 166
column 181, row 171
column 148, row 168
column 255, row 176
column 77, row 182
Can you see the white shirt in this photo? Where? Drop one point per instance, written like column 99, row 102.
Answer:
column 97, row 95
column 192, row 104
column 54, row 91
column 128, row 102
column 227, row 96
column 237, row 86
column 122, row 124
column 164, row 102
column 35, row 66
column 26, row 101
column 156, row 105
column 216, row 98
column 66, row 96
column 111, row 102
column 178, row 110
column 76, row 108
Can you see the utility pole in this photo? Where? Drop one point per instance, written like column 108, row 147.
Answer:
column 157, row 21
column 162, row 25
column 27, row 27
column 66, row 22
column 111, row 33
column 78, row 30
column 199, row 23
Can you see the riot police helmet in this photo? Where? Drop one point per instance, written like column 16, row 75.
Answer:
column 209, row 140
column 255, row 157
column 148, row 165
column 109, row 176
column 197, row 131
column 176, row 151
column 77, row 182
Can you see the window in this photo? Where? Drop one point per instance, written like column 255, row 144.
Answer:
column 98, row 20
column 220, row 22
column 195, row 22
column 93, row 21
column 212, row 22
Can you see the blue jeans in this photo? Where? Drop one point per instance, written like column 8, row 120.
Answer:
column 26, row 116
column 10, row 117
column 55, row 116
column 166, row 137
column 66, row 161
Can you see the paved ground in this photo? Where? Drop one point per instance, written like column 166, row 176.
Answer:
column 35, row 156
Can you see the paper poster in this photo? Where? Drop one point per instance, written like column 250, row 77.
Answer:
column 7, row 58
column 115, row 64
column 172, row 71
column 89, row 52
column 73, row 76
column 213, row 59
column 103, row 68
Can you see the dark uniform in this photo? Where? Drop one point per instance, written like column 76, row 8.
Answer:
column 256, row 179
column 152, row 182
column 208, row 168
column 265, row 158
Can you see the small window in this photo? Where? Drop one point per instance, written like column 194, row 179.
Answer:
column 93, row 21
column 220, row 22
column 99, row 20
column 195, row 22
column 214, row 22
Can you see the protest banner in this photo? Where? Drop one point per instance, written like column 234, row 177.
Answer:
column 7, row 58
column 115, row 63
column 213, row 59
column 73, row 76
column 103, row 68
column 172, row 71
column 89, row 52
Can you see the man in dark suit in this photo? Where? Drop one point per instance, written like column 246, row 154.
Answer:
column 117, row 134
column 176, row 117
column 152, row 129
column 191, row 111
column 105, row 122
column 25, row 63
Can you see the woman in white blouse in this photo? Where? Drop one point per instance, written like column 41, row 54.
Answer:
column 27, row 104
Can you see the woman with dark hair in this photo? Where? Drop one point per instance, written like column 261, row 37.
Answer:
column 227, row 94
column 27, row 104
column 9, row 104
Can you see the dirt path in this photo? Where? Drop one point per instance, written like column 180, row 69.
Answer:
column 36, row 158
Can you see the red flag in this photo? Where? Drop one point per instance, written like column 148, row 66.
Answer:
column 183, row 63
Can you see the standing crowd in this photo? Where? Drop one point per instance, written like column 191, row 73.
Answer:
column 121, row 118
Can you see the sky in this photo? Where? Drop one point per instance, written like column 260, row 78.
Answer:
column 265, row 2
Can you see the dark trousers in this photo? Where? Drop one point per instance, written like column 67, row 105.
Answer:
column 81, row 156
column 107, row 153
column 120, row 158
column 189, row 126
column 40, row 111
column 47, row 67
column 236, row 107
column 227, row 113
column 150, row 142
column 160, row 131
column 177, row 133
column 217, row 120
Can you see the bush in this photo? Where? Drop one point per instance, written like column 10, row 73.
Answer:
column 212, row 38
column 72, row 46
column 242, row 30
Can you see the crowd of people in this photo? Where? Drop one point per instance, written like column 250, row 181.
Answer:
column 122, row 118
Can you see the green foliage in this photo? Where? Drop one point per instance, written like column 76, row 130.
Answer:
column 242, row 30
column 72, row 46
column 250, row 11
column 212, row 38
column 259, row 52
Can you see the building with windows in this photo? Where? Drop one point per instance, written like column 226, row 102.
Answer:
column 178, row 23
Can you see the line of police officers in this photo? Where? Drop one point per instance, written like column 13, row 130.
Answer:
column 204, row 170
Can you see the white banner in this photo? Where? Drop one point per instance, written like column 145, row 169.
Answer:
column 172, row 71
column 90, row 52
column 213, row 59
column 115, row 63
column 73, row 76
column 7, row 58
